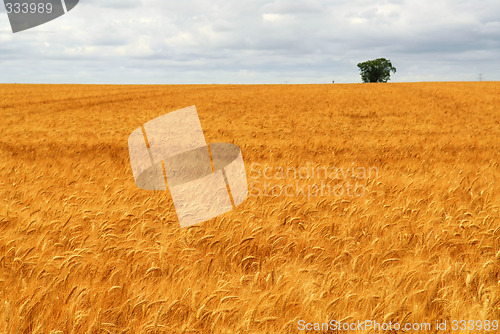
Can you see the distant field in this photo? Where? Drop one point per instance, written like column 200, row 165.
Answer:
column 83, row 250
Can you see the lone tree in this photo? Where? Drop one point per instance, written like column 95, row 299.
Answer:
column 378, row 70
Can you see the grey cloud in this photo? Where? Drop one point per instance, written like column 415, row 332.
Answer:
column 294, row 7
column 257, row 41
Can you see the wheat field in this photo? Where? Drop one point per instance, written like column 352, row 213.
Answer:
column 83, row 250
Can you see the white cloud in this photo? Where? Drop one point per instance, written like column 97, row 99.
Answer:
column 273, row 17
column 358, row 20
column 255, row 41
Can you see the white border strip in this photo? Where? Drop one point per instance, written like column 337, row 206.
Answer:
column 64, row 6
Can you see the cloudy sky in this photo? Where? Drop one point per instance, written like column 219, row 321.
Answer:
column 255, row 41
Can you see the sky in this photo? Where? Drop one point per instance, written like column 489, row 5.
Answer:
column 255, row 41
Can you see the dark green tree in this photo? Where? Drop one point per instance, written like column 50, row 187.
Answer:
column 378, row 70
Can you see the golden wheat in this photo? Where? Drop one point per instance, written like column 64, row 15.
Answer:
column 83, row 250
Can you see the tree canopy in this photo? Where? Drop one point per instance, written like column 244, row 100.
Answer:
column 378, row 70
